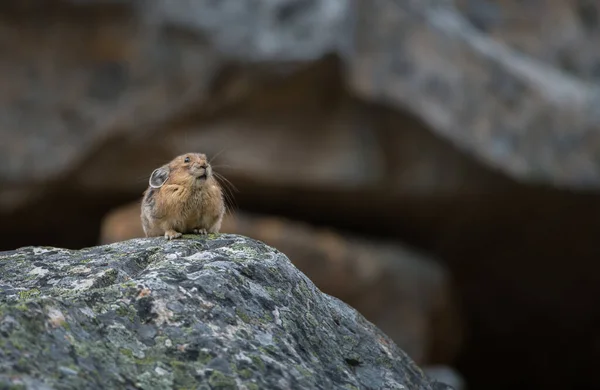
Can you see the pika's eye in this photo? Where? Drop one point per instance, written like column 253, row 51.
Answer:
column 187, row 160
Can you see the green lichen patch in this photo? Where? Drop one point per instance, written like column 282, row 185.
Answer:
column 219, row 380
column 29, row 294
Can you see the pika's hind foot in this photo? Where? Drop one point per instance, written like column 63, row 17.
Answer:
column 200, row 231
column 172, row 234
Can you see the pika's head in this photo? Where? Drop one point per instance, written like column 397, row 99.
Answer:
column 191, row 169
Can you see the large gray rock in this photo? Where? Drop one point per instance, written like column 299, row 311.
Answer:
column 87, row 78
column 225, row 312
column 513, row 112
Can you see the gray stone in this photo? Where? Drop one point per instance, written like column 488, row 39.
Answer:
column 224, row 311
column 511, row 111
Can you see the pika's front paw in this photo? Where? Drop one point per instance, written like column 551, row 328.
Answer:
column 172, row 234
column 200, row 231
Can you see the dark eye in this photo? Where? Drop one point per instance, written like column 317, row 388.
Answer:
column 187, row 160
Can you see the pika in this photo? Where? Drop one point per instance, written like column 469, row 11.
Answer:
column 183, row 197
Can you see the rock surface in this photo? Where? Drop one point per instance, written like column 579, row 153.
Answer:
column 223, row 312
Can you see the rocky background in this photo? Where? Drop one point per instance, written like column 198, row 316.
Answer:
column 432, row 163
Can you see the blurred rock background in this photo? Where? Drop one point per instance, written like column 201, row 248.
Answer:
column 435, row 164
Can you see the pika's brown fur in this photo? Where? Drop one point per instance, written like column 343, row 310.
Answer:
column 183, row 197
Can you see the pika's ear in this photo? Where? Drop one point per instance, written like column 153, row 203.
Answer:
column 158, row 177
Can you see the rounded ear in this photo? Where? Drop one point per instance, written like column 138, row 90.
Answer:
column 158, row 177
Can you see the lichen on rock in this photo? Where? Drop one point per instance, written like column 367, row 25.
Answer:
column 217, row 312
